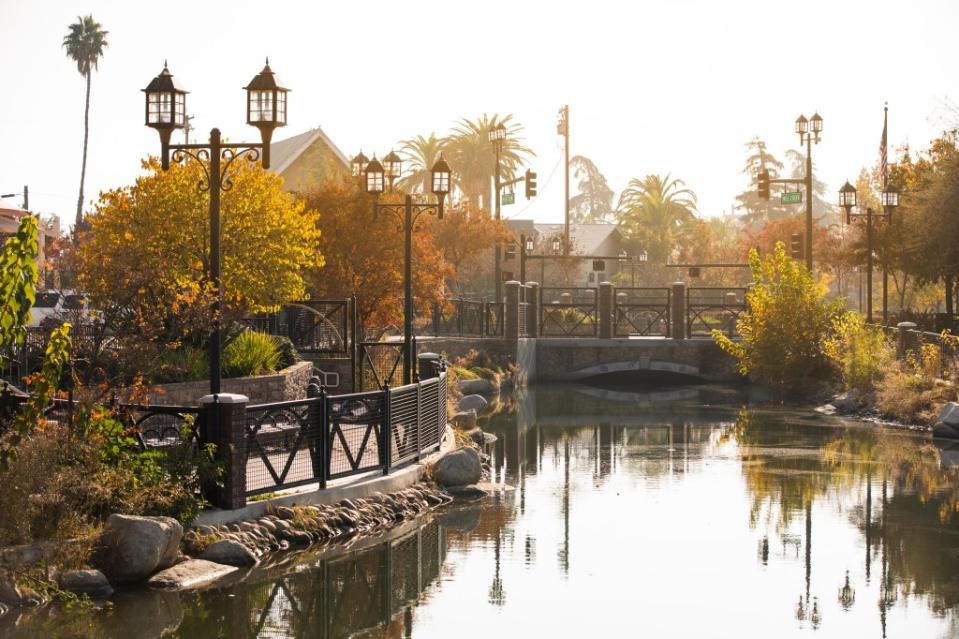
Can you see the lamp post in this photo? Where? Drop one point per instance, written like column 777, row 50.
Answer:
column 526, row 248
column 497, row 136
column 625, row 257
column 376, row 177
column 809, row 131
column 889, row 201
column 166, row 112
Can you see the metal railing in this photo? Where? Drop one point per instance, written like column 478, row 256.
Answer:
column 642, row 311
column 568, row 312
column 89, row 343
column 323, row 327
column 714, row 308
column 326, row 437
column 381, row 363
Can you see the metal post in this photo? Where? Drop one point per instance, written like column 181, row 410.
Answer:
column 885, row 295
column 522, row 258
column 354, row 325
column 215, row 346
column 869, row 265
column 408, row 292
column 386, row 448
column 324, row 436
column 809, row 201
column 566, row 166
column 498, row 275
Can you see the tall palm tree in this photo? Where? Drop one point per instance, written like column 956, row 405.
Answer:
column 654, row 213
column 420, row 155
column 85, row 43
column 473, row 159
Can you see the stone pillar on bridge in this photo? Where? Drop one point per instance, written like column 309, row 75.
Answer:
column 224, row 425
column 907, row 339
column 532, row 311
column 605, row 309
column 677, row 311
column 511, row 321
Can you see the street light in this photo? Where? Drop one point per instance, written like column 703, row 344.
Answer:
column 557, row 245
column 358, row 164
column 847, row 200
column 393, row 166
column 166, row 111
column 809, row 131
column 409, row 212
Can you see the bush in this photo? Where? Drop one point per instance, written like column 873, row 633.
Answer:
column 288, row 354
column 251, row 353
column 862, row 354
column 786, row 325
column 911, row 391
column 184, row 364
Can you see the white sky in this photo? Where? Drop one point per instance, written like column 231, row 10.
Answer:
column 653, row 87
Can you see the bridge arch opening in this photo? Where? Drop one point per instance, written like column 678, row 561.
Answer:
column 639, row 373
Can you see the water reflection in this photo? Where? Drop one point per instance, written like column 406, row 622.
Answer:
column 672, row 513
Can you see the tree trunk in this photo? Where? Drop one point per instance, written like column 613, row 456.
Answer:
column 83, row 170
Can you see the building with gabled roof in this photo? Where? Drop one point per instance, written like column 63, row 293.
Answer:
column 308, row 158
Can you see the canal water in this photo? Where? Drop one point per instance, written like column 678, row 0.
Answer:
column 675, row 513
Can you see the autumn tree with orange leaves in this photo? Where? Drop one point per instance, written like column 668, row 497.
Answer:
column 364, row 255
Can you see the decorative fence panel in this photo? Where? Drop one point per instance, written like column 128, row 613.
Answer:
column 381, row 363
column 314, row 326
column 713, row 308
column 495, row 316
column 459, row 317
column 568, row 312
column 90, row 343
column 332, row 436
column 642, row 311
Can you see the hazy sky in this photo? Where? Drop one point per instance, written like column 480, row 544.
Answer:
column 653, row 87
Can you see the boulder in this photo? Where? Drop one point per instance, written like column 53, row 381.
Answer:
column 464, row 419
column 826, row 409
column 474, row 386
column 92, row 583
column 481, row 439
column 950, row 414
column 132, row 548
column 192, row 573
column 477, row 403
column 229, row 552
column 942, row 430
column 458, row 468
column 846, row 403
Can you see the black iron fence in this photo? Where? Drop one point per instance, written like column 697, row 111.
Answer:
column 714, row 308
column 91, row 343
column 642, row 311
column 380, row 363
column 324, row 327
column 568, row 312
column 326, row 437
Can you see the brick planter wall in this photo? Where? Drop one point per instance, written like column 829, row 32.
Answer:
column 289, row 383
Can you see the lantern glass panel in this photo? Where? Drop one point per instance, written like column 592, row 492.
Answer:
column 890, row 198
column 261, row 105
column 441, row 182
column 374, row 181
column 159, row 107
column 281, row 107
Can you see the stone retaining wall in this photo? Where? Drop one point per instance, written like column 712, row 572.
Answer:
column 289, row 383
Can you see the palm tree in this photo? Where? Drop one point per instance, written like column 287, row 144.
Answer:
column 420, row 154
column 654, row 211
column 473, row 158
column 85, row 43
column 594, row 203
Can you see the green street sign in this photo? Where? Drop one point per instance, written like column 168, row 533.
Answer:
column 509, row 198
column 792, row 198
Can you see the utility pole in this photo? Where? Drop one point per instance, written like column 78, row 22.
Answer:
column 563, row 129
column 26, row 198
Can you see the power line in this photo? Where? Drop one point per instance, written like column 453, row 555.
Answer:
column 545, row 184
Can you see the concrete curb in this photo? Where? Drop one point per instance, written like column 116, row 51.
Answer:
column 364, row 487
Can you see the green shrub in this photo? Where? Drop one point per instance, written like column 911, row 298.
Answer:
column 786, row 325
column 288, row 354
column 862, row 354
column 184, row 364
column 251, row 353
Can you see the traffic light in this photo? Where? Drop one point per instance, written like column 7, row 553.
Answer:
column 511, row 249
column 762, row 183
column 530, row 184
column 796, row 246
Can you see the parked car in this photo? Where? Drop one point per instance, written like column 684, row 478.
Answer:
column 49, row 305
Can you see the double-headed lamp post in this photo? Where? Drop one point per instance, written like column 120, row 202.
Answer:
column 889, row 199
column 809, row 131
column 376, row 178
column 166, row 112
